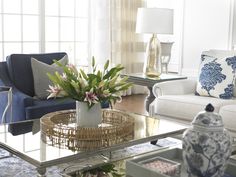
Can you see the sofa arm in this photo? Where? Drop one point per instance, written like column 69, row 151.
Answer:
column 19, row 99
column 19, row 102
column 177, row 87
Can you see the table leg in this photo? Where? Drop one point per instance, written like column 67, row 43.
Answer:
column 149, row 99
column 154, row 142
column 41, row 172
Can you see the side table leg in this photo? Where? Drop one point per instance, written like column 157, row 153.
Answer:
column 149, row 99
column 41, row 172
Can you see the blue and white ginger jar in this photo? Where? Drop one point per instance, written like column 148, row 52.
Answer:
column 206, row 145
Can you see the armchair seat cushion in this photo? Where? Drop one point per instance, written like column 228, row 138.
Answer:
column 187, row 106
column 42, row 107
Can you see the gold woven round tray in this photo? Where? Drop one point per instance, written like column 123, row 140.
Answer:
column 60, row 129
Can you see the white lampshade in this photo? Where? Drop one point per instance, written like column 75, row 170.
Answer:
column 154, row 20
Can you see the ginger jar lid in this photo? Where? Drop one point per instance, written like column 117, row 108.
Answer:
column 208, row 118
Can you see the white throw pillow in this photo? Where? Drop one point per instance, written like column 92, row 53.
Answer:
column 216, row 76
column 41, row 80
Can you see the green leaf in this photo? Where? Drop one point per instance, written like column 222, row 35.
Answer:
column 52, row 78
column 58, row 63
column 83, row 74
column 94, row 69
column 114, row 174
column 107, row 167
column 99, row 74
column 125, row 87
column 113, row 81
column 93, row 61
column 117, row 70
column 124, row 79
column 106, row 65
column 94, row 82
column 93, row 76
column 112, row 72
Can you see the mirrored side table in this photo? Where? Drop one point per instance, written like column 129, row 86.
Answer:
column 149, row 82
column 8, row 109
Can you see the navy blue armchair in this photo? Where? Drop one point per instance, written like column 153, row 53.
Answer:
column 16, row 72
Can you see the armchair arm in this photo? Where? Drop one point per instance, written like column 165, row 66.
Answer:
column 177, row 87
column 19, row 99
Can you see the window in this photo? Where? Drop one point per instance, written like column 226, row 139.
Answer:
column 32, row 26
column 19, row 27
column 66, row 28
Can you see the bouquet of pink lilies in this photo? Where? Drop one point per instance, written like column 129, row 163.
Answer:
column 99, row 86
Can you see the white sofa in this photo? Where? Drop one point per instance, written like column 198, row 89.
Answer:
column 177, row 100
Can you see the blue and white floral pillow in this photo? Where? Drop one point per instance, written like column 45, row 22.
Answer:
column 216, row 77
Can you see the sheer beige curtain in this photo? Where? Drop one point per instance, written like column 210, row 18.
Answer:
column 100, row 38
column 127, row 47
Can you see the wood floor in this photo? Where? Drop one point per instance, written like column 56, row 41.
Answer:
column 133, row 103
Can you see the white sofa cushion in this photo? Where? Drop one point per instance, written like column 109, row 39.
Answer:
column 187, row 106
column 181, row 87
column 228, row 114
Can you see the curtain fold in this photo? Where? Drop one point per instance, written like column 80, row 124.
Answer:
column 100, row 38
column 127, row 47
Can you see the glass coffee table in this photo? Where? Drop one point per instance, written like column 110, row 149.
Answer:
column 31, row 147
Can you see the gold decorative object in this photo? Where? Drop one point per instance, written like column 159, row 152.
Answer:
column 152, row 61
column 154, row 21
column 60, row 129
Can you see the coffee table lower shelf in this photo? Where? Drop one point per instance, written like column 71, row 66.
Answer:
column 134, row 167
column 118, row 156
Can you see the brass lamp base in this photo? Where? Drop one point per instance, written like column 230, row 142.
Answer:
column 152, row 60
column 149, row 74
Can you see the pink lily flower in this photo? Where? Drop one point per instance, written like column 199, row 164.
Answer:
column 91, row 97
column 56, row 91
column 73, row 68
column 63, row 76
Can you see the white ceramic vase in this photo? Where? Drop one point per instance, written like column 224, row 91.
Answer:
column 86, row 117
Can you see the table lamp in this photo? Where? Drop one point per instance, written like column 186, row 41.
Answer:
column 154, row 21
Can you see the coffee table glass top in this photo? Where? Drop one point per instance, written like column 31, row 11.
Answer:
column 31, row 148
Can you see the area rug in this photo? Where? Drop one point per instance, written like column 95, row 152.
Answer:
column 15, row 167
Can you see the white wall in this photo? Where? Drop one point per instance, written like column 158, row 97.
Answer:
column 206, row 26
column 234, row 26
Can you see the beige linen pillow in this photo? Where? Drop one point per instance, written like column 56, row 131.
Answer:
column 41, row 80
